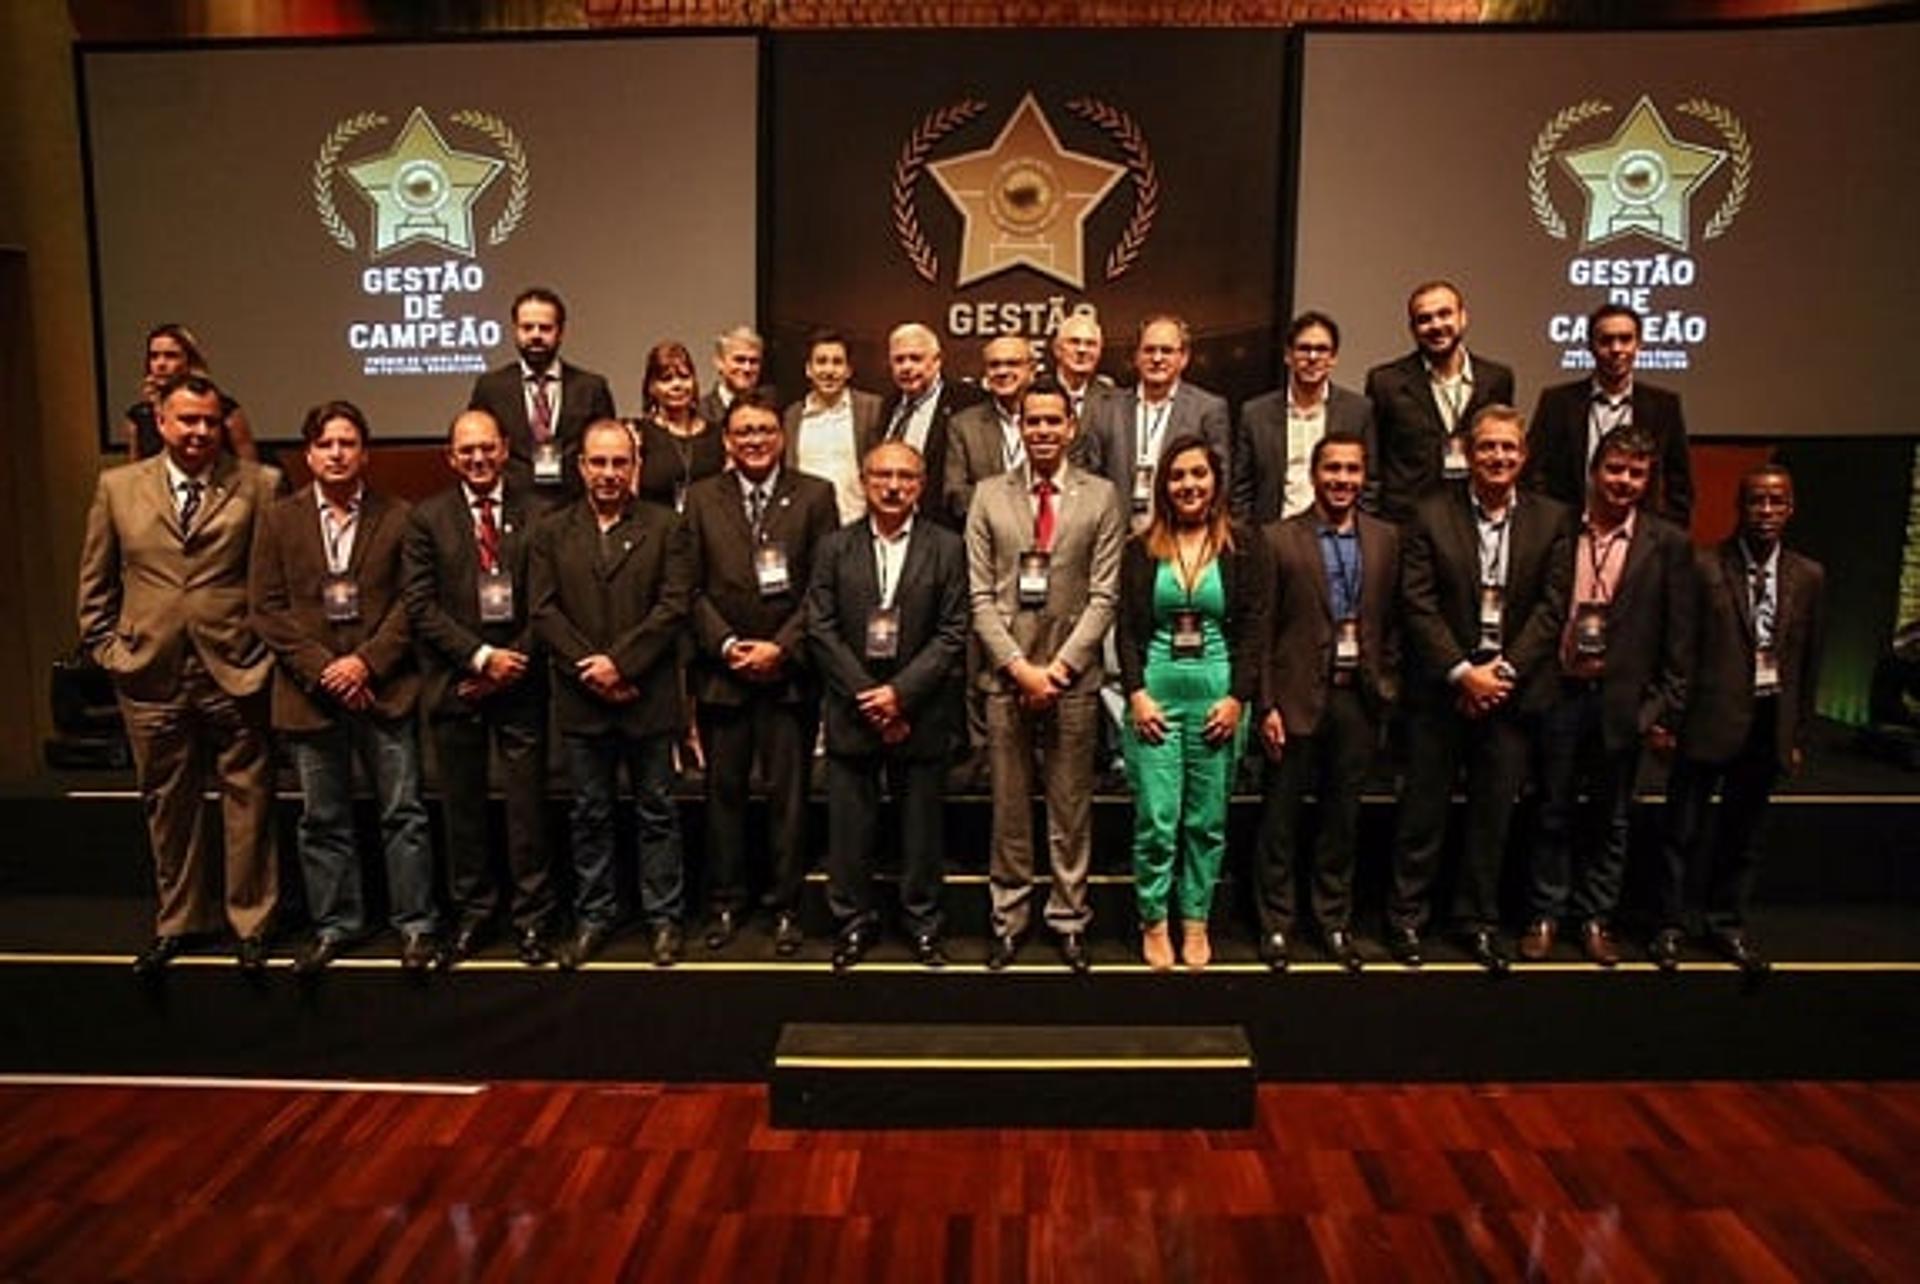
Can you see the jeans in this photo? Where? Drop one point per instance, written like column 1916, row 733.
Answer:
column 594, row 765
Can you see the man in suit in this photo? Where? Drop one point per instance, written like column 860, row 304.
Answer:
column 483, row 683
column 1123, row 434
column 983, row 440
column 1759, row 625
column 611, row 581
column 739, row 356
column 887, row 619
column 1572, row 418
column 542, row 403
column 1274, row 438
column 1077, row 346
column 163, row 609
column 326, row 597
column 1423, row 402
column 754, row 530
column 922, row 402
column 1621, row 663
column 1484, row 575
column 1043, row 569
column 830, row 429
column 1332, row 676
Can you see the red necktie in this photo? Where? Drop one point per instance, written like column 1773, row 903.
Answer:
column 488, row 536
column 1043, row 516
column 542, row 409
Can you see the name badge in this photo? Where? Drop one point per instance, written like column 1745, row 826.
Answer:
column 680, row 496
column 883, row 633
column 770, row 568
column 1766, row 672
column 1142, row 488
column 1453, row 463
column 1189, row 639
column 546, row 463
column 1346, row 644
column 1590, row 630
column 1493, row 599
column 340, row 598
column 496, row 597
column 1032, row 584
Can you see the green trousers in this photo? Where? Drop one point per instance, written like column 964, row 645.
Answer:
column 1180, row 791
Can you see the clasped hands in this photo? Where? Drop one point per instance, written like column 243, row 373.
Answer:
column 1039, row 689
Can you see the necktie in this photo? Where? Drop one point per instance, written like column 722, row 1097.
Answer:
column 542, row 409
column 1043, row 516
column 190, row 501
column 1762, row 608
column 488, row 535
column 756, row 509
column 901, row 415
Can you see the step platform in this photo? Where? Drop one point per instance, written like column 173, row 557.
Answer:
column 1012, row 1076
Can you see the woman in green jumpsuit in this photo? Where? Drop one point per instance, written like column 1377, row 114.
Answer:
column 1193, row 593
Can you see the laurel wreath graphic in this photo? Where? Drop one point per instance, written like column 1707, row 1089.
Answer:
column 324, row 165
column 1544, row 147
column 519, row 173
column 907, row 168
column 1126, row 135
column 1740, row 148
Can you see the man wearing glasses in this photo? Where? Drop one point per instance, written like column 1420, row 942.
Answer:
column 1274, row 438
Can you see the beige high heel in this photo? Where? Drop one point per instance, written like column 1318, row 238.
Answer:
column 1157, row 945
column 1196, row 949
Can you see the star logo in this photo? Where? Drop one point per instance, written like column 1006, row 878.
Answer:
column 1640, row 180
column 1025, row 200
column 423, row 190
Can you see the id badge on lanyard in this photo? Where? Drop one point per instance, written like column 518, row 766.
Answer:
column 1590, row 630
column 1766, row 672
column 883, row 633
column 340, row 597
column 1032, row 584
column 1142, row 488
column 1189, row 638
column 1453, row 460
column 770, row 568
column 496, row 597
column 1493, row 601
column 1346, row 645
column 547, row 457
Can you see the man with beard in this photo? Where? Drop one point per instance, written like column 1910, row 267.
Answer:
column 541, row 403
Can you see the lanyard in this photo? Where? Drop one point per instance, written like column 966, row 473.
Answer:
column 1599, row 551
column 336, row 534
column 1347, row 569
column 1493, row 558
column 1151, row 423
column 889, row 583
column 1190, row 571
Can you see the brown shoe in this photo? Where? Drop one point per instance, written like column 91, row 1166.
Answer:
column 1597, row 943
column 1156, row 943
column 1537, row 941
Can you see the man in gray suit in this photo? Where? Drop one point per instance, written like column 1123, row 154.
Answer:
column 1124, row 431
column 1273, row 441
column 983, row 440
column 1043, row 564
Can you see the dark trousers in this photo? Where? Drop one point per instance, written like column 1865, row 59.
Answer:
column 782, row 733
column 1333, row 761
column 1495, row 750
column 853, row 820
column 516, row 726
column 1716, row 879
column 594, row 764
column 1572, row 749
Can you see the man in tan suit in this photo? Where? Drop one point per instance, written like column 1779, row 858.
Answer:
column 163, row 609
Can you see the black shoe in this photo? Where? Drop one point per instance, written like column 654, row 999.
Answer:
column 1004, row 950
column 153, row 960
column 316, row 954
column 583, row 945
column 666, row 945
column 1664, row 949
column 1404, row 944
column 721, row 929
column 1738, row 948
column 1273, row 950
column 466, row 943
column 251, row 954
column 786, row 934
column 1342, row 949
column 929, row 951
column 1073, row 952
column 1485, row 946
column 533, row 949
column 419, row 952
column 851, row 945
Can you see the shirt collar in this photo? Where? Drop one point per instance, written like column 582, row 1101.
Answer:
column 766, row 484
column 552, row 373
column 177, row 476
column 1466, row 367
column 1596, row 393
column 497, row 494
column 1480, row 513
column 1623, row 530
column 1318, row 403
column 814, row 406
column 353, row 505
column 898, row 537
column 1059, row 478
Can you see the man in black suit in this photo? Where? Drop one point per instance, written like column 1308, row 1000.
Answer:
column 1423, row 402
column 1572, row 418
column 1758, row 632
column 922, row 402
column 483, row 681
column 754, row 529
column 1484, row 575
column 1124, row 431
column 611, row 581
column 1332, row 675
column 1274, row 439
column 739, row 356
column 540, row 402
column 1622, row 677
column 887, row 617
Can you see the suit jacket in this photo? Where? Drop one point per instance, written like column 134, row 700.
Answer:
column 1260, row 448
column 953, row 398
column 714, row 411
column 866, row 425
column 1300, row 642
column 1083, row 583
column 151, row 592
column 289, row 566
column 1107, row 446
column 1440, row 594
column 974, row 453
column 1410, row 432
column 584, row 398
column 1246, row 578
column 726, row 594
column 931, row 599
column 629, row 606
column 441, row 562
column 1557, row 462
column 1720, row 686
column 1649, row 634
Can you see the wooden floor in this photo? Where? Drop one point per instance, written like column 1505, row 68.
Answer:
column 1696, row 1182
